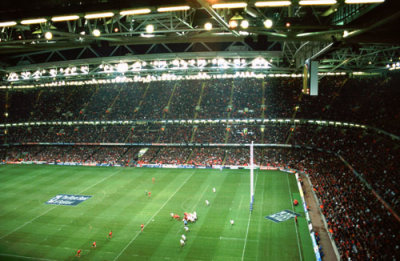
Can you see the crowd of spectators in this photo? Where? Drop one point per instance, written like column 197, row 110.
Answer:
column 371, row 101
column 362, row 227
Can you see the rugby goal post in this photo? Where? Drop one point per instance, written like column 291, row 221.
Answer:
column 251, row 176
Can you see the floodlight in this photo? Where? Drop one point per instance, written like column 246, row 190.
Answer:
column 96, row 32
column 229, row 5
column 48, row 35
column 149, row 28
column 34, row 21
column 99, row 15
column 208, row 26
column 64, row 18
column 233, row 24
column 7, row 24
column 317, row 2
column 244, row 24
column 173, row 8
column 364, row 1
column 135, row 11
column 272, row 3
column 122, row 67
column 268, row 23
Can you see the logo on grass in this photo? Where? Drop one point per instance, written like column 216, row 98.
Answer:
column 67, row 200
column 282, row 216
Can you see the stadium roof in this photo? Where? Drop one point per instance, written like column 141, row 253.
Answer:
column 342, row 36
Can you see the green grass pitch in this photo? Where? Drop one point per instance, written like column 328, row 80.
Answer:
column 33, row 230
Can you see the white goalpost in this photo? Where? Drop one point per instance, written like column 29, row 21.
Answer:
column 251, row 176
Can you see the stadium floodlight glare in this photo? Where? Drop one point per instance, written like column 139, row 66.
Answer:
column 48, row 35
column 244, row 24
column 65, row 18
column 135, row 11
column 99, row 15
column 173, row 8
column 272, row 3
column 229, row 5
column 233, row 24
column 208, row 26
column 317, row 2
column 149, row 28
column 268, row 23
column 7, row 24
column 364, row 1
column 122, row 67
column 96, row 32
column 34, row 21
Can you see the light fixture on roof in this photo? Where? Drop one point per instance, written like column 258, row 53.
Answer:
column 364, row 1
column 149, row 28
column 135, row 11
column 229, row 5
column 96, row 32
column 34, row 21
column 244, row 24
column 64, row 18
column 7, row 24
column 208, row 26
column 173, row 8
column 317, row 2
column 272, row 3
column 268, row 23
column 122, row 67
column 233, row 24
column 48, row 35
column 99, row 15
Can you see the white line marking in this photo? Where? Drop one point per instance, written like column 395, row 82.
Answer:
column 295, row 226
column 158, row 211
column 27, row 257
column 248, row 223
column 198, row 201
column 231, row 238
column 50, row 209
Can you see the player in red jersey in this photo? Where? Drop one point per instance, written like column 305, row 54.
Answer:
column 141, row 227
column 153, row 179
column 149, row 194
column 94, row 244
column 78, row 253
column 109, row 234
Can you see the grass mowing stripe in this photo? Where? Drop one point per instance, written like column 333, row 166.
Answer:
column 262, row 207
column 50, row 209
column 295, row 226
column 27, row 257
column 198, row 201
column 248, row 223
column 158, row 211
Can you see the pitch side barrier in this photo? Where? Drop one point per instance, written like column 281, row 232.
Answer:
column 310, row 227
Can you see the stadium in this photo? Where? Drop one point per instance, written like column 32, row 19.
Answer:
column 199, row 130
